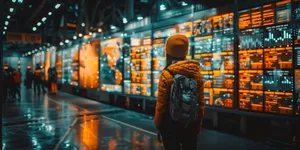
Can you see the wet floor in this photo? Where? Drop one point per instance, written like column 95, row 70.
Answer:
column 68, row 122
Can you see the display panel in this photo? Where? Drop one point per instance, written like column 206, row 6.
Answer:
column 296, row 15
column 265, row 59
column 214, row 43
column 283, row 11
column 67, row 66
column 58, row 65
column 159, row 41
column 139, row 80
column 297, row 87
column 111, row 65
column 71, row 66
column 47, row 63
column 278, row 74
column 89, row 65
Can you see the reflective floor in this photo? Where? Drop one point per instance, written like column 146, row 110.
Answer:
column 68, row 122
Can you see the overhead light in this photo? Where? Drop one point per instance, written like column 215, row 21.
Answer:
column 184, row 3
column 90, row 33
column 50, row 13
column 13, row 1
column 6, row 22
column 82, row 24
column 67, row 41
column 99, row 30
column 57, row 6
column 29, row 53
column 20, row 1
column 34, row 29
column 30, row 6
column 3, row 32
column 112, row 27
column 8, row 17
column 140, row 18
column 162, row 7
column 74, row 37
column 11, row 9
column 39, row 24
column 35, row 50
column 48, row 44
column 41, row 48
column 125, row 20
column 61, row 43
column 44, row 19
column 5, row 28
column 80, row 34
column 32, row 51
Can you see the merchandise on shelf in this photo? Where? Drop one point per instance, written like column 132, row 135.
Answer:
column 111, row 65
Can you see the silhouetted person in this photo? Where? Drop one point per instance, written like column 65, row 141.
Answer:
column 180, row 101
column 38, row 82
column 17, row 83
column 53, row 80
column 29, row 78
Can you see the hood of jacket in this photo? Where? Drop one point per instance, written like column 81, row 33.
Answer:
column 185, row 67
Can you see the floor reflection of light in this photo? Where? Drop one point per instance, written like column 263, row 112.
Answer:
column 89, row 134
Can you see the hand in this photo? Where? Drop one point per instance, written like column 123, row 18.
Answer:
column 158, row 136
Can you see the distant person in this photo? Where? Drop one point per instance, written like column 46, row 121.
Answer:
column 17, row 83
column 180, row 102
column 5, row 84
column 10, row 86
column 53, row 80
column 38, row 81
column 29, row 78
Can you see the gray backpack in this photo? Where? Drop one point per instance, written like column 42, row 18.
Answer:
column 183, row 100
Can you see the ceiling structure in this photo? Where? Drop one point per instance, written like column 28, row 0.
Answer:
column 79, row 16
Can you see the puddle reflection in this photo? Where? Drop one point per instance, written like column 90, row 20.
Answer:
column 96, row 133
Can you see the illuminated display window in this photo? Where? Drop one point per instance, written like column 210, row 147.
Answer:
column 71, row 66
column 265, row 59
column 297, row 92
column 67, row 67
column 139, row 60
column 214, row 45
column 111, row 65
column 89, row 64
column 58, row 65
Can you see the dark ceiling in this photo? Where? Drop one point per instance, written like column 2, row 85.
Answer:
column 97, row 13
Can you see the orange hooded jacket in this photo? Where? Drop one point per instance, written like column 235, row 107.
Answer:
column 187, row 68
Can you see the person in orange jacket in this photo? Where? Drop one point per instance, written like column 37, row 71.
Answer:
column 177, row 134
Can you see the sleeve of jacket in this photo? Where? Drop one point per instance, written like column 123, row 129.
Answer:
column 201, row 95
column 162, row 99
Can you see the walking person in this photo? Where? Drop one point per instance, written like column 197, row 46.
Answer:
column 53, row 80
column 180, row 102
column 37, row 80
column 17, row 83
column 29, row 78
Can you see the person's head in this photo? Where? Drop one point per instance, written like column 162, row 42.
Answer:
column 176, row 48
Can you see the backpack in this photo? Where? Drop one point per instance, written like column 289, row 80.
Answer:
column 183, row 99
